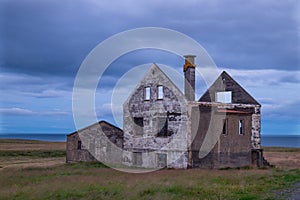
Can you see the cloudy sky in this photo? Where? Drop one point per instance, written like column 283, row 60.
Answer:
column 44, row 42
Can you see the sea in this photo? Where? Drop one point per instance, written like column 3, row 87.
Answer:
column 266, row 140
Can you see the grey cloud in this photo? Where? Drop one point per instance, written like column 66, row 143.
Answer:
column 266, row 101
column 16, row 111
column 286, row 110
column 48, row 94
column 34, row 85
column 43, row 43
column 53, row 37
column 23, row 112
column 290, row 79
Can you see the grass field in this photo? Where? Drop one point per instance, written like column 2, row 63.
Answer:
column 39, row 172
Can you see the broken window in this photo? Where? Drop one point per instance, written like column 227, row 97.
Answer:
column 174, row 116
column 137, row 159
column 162, row 126
column 79, row 145
column 224, row 131
column 160, row 92
column 241, row 127
column 161, row 160
column 147, row 93
column 224, row 97
column 138, row 125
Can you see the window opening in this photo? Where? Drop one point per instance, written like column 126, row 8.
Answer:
column 160, row 92
column 224, row 131
column 224, row 97
column 241, row 127
column 147, row 93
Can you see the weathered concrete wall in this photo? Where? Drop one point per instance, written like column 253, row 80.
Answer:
column 168, row 113
column 149, row 159
column 226, row 83
column 74, row 153
column 255, row 137
column 232, row 149
column 100, row 141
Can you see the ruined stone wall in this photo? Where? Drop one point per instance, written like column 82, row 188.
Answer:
column 74, row 153
column 99, row 142
column 168, row 113
column 255, row 137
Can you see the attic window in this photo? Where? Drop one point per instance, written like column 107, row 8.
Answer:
column 160, row 92
column 224, row 97
column 147, row 93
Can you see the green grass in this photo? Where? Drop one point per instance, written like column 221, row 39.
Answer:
column 95, row 181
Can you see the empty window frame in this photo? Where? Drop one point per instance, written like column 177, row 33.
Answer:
column 137, row 159
column 160, row 92
column 147, row 93
column 224, row 97
column 224, row 131
column 162, row 126
column 138, row 125
column 161, row 160
column 241, row 130
column 79, row 145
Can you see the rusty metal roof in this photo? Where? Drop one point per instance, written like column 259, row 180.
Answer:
column 233, row 111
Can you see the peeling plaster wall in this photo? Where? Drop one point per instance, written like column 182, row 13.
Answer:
column 231, row 149
column 255, row 137
column 172, row 107
column 73, row 154
column 99, row 142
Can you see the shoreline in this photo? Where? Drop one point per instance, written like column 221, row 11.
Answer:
column 276, row 145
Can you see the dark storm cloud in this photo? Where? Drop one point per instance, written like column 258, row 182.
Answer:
column 32, row 86
column 53, row 37
column 46, row 37
column 43, row 43
column 139, row 57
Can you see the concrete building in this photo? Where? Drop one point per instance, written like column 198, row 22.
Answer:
column 164, row 127
column 98, row 137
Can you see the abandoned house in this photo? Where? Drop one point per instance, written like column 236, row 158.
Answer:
column 164, row 127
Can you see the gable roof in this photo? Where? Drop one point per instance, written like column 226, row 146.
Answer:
column 102, row 123
column 153, row 71
column 226, row 83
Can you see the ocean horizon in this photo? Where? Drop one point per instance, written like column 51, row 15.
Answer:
column 266, row 140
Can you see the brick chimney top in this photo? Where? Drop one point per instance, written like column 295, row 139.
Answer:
column 189, row 75
column 189, row 62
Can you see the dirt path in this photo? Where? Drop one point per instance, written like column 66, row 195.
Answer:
column 8, row 145
column 27, row 145
column 32, row 162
